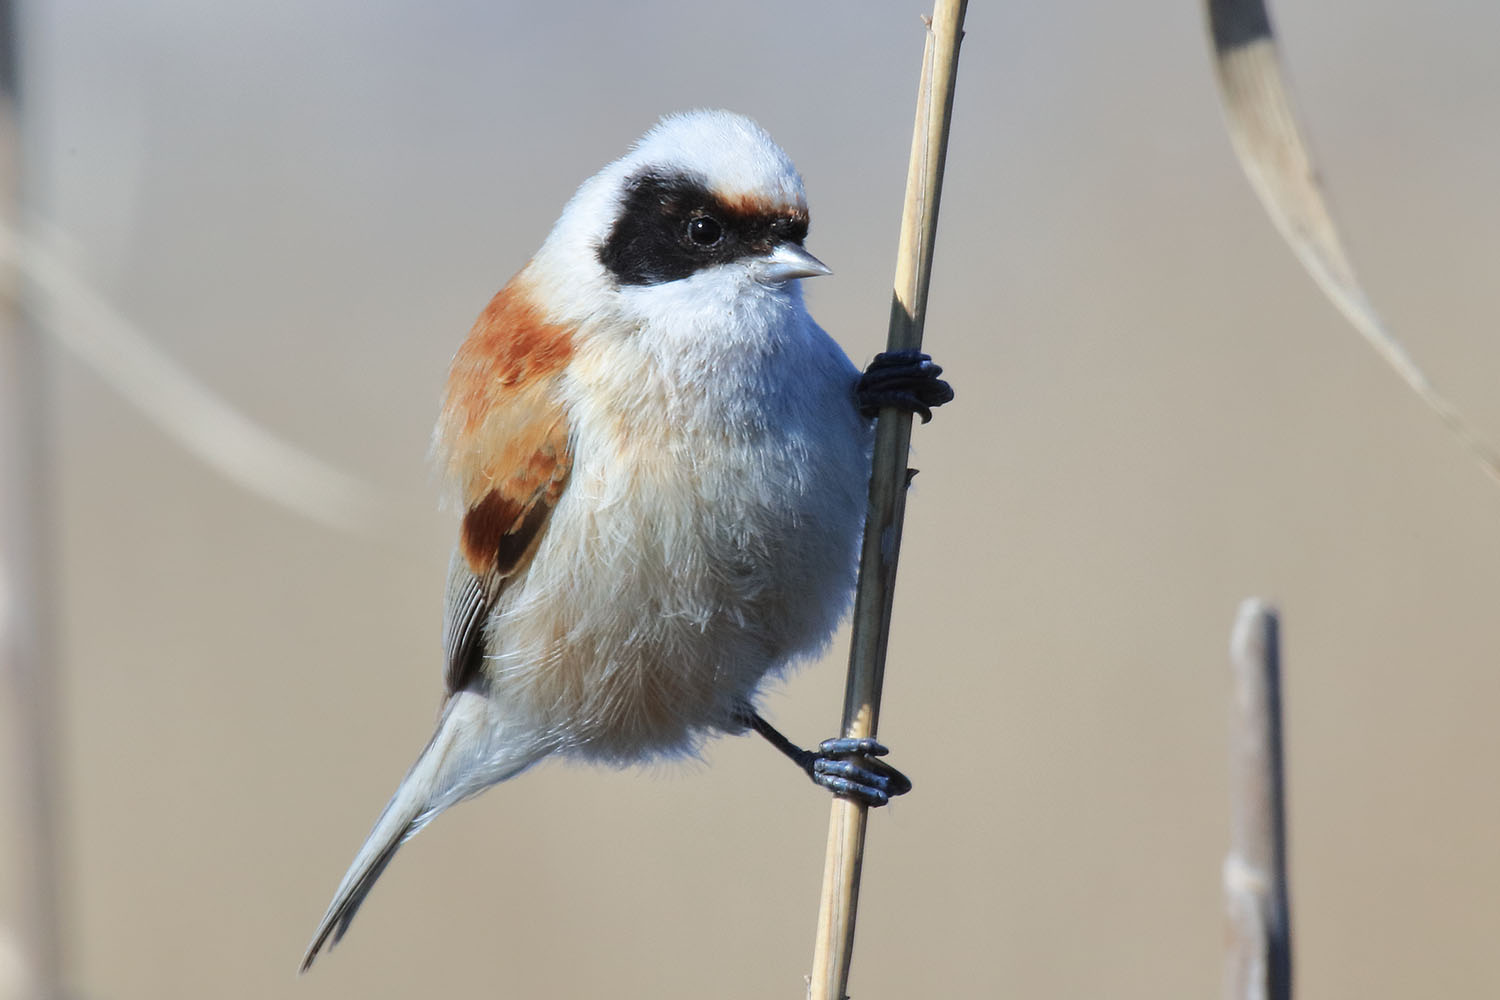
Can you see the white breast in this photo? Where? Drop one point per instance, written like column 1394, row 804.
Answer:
column 709, row 531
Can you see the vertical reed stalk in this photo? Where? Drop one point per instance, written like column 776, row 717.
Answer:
column 1255, row 886
column 26, row 669
column 882, row 541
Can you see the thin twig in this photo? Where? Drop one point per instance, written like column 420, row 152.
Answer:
column 1259, row 963
column 1270, row 145
column 882, row 543
column 200, row 420
column 26, row 666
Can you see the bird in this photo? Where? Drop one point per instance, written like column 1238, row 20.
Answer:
column 660, row 468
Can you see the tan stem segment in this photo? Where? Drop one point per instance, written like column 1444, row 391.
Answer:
column 28, row 683
column 882, row 543
column 1259, row 960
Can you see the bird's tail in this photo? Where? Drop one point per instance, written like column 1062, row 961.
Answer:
column 459, row 761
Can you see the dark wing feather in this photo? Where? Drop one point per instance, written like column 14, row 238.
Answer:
column 464, row 621
column 499, row 535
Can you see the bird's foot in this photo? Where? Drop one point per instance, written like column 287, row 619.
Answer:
column 852, row 768
column 905, row 380
column 845, row 766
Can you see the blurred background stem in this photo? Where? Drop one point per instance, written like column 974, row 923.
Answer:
column 26, row 664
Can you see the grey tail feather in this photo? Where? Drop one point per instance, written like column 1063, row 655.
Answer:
column 445, row 773
column 408, row 810
column 390, row 832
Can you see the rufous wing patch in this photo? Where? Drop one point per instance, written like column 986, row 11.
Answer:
column 511, row 349
column 503, row 436
column 500, row 532
column 500, row 528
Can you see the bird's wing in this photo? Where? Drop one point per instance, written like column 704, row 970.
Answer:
column 503, row 442
column 508, row 506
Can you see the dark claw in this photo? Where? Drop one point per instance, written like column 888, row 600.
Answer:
column 849, row 744
column 871, row 797
column 905, row 380
column 845, row 765
column 852, row 771
column 851, row 767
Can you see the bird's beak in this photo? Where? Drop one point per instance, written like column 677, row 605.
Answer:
column 790, row 261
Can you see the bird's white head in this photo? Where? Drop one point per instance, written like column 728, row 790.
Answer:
column 705, row 202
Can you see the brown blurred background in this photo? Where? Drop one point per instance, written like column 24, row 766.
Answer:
column 307, row 203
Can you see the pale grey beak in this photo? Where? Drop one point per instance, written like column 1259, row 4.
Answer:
column 789, row 261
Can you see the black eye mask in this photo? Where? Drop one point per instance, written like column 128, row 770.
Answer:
column 671, row 227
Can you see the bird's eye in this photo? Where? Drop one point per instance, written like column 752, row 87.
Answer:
column 705, row 231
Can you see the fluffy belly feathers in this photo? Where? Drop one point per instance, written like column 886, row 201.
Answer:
column 688, row 558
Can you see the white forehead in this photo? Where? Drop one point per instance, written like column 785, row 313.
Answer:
column 737, row 157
